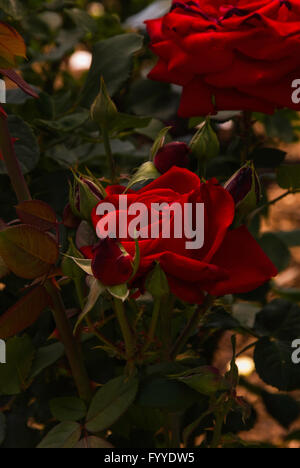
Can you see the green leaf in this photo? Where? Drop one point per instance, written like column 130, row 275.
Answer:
column 14, row 374
column 137, row 259
column 288, row 176
column 68, row 266
column 206, row 380
column 128, row 122
column 65, row 435
column 157, row 283
column 26, row 147
column 152, row 129
column 290, row 238
column 159, row 142
column 68, row 409
column 273, row 360
column 205, row 145
column 112, row 59
column 84, row 263
column 279, row 319
column 37, row 213
column 93, row 442
column 24, row 312
column 82, row 19
column 66, row 124
column 220, row 318
column 146, row 172
column 276, row 250
column 161, row 392
column 267, row 157
column 96, row 289
column 2, row 427
column 120, row 291
column 46, row 357
column 27, row 251
column 87, row 153
column 281, row 407
column 110, row 402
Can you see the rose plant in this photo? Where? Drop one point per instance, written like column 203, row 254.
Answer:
column 117, row 338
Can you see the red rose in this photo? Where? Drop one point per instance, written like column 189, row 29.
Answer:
column 230, row 261
column 236, row 55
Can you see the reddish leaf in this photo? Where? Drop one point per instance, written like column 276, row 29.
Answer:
column 27, row 251
column 18, row 80
column 37, row 213
column 12, row 45
column 24, row 313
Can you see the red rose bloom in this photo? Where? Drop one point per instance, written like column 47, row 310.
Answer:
column 230, row 261
column 235, row 55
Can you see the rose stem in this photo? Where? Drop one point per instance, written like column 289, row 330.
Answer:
column 109, row 155
column 153, row 325
column 12, row 164
column 167, row 304
column 218, row 430
column 183, row 338
column 91, row 326
column 72, row 351
column 126, row 332
column 22, row 192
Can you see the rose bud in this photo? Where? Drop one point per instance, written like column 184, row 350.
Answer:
column 172, row 154
column 110, row 264
column 84, row 196
column 245, row 189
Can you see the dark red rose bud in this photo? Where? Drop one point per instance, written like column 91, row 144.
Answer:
column 110, row 264
column 85, row 195
column 245, row 189
column 172, row 154
column 241, row 184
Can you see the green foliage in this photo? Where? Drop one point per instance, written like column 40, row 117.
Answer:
column 110, row 402
column 65, row 435
column 68, row 409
